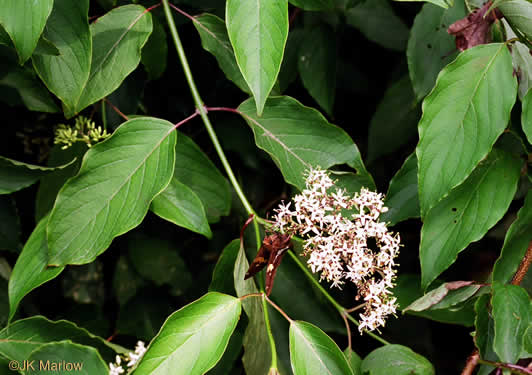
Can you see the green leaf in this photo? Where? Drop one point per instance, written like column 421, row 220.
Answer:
column 158, row 260
column 377, row 21
column 512, row 315
column 519, row 15
column 395, row 120
column 257, row 351
column 317, row 65
column 484, row 333
column 194, row 169
column 313, row 4
column 288, row 72
column 221, row 282
column 516, row 243
column 214, row 38
column 258, row 31
column 397, row 360
column 461, row 108
column 155, row 52
column 444, row 296
column 441, row 3
column 66, row 74
column 298, row 298
column 181, row 206
column 24, row 21
column 353, row 360
column 279, row 131
column 143, row 314
column 31, row 269
column 117, row 40
column 45, row 47
column 51, row 184
column 16, row 175
column 9, row 225
column 313, row 352
column 522, row 62
column 526, row 116
column 21, row 338
column 193, row 339
column 113, row 190
column 66, row 357
column 408, row 290
column 467, row 213
column 402, row 197
column 527, row 340
column 32, row 92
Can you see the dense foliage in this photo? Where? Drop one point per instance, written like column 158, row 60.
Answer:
column 150, row 150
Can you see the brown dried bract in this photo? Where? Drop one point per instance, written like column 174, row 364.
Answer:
column 271, row 252
column 475, row 28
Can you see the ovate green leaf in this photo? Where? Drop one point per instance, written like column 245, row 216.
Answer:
column 50, row 184
column 193, row 339
column 461, row 108
column 526, row 116
column 378, row 22
column 522, row 62
column 66, row 74
column 467, row 213
column 516, row 243
column 441, row 3
column 225, row 266
column 298, row 138
column 446, row 295
column 31, row 269
column 402, row 197
column 313, row 4
column 484, row 333
column 397, row 360
column 158, row 260
column 65, row 357
column 258, row 32
column 32, row 92
column 519, row 15
column 155, row 52
column 354, row 361
column 117, row 40
column 24, row 21
column 21, row 338
column 194, row 169
column 16, row 175
column 317, row 65
column 313, row 352
column 181, row 206
column 430, row 47
column 214, row 38
column 112, row 191
column 512, row 315
column 394, row 122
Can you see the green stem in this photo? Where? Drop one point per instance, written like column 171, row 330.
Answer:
column 203, row 113
column 104, row 115
column 270, row 334
column 342, row 310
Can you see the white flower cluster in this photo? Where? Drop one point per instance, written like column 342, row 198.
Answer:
column 132, row 357
column 345, row 240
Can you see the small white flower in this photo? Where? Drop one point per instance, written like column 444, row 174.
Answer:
column 337, row 246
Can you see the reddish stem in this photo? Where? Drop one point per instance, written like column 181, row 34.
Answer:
column 182, row 12
column 116, row 109
column 196, row 113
